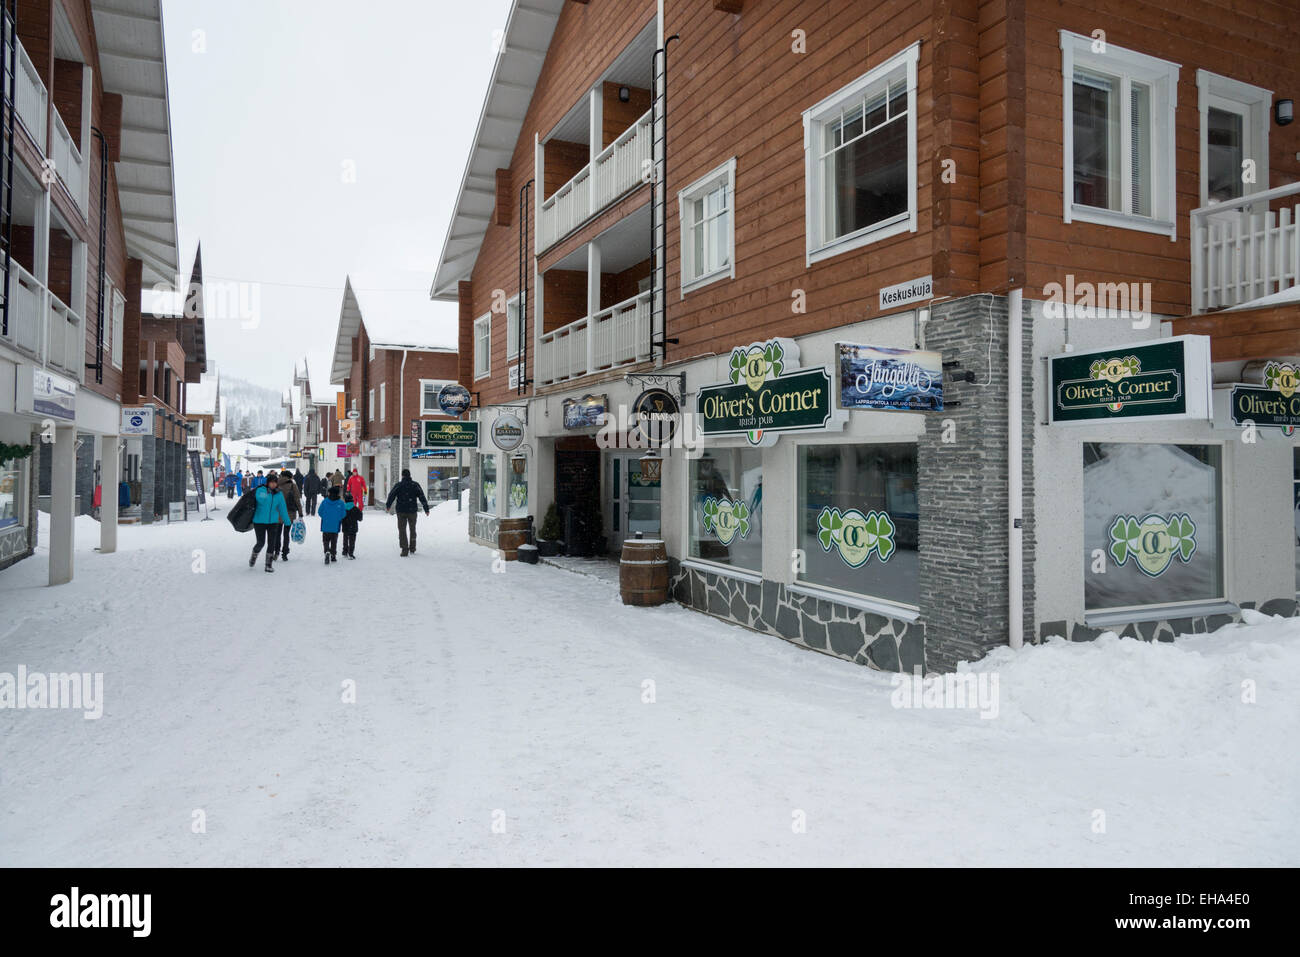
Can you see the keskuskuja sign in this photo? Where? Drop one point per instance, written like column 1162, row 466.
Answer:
column 1162, row 379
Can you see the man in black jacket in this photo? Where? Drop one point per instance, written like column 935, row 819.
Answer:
column 311, row 487
column 408, row 495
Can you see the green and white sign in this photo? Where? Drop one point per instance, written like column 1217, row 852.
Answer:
column 1152, row 542
column 450, row 435
column 856, row 536
column 1274, row 404
column 1164, row 379
column 767, row 394
column 725, row 518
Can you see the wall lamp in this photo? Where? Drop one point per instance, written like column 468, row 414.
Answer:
column 1284, row 112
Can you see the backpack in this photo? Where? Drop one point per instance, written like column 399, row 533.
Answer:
column 241, row 516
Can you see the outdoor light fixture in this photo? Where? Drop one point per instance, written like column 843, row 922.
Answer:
column 1284, row 112
column 624, row 94
column 652, row 467
column 517, row 462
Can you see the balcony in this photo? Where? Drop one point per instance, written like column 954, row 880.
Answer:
column 68, row 162
column 1242, row 250
column 31, row 99
column 612, row 337
column 616, row 170
column 42, row 327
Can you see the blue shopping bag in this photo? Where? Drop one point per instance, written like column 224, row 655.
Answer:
column 298, row 531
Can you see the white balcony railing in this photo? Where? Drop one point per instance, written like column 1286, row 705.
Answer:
column 31, row 101
column 1242, row 250
column 68, row 162
column 612, row 337
column 57, row 340
column 615, row 170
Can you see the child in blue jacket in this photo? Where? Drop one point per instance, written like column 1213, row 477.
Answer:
column 331, row 512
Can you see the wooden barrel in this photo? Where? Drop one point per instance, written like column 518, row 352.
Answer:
column 512, row 533
column 643, row 572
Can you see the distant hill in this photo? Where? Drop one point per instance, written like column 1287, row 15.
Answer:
column 251, row 409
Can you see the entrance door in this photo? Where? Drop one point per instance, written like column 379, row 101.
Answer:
column 634, row 502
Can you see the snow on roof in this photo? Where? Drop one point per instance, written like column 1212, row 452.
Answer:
column 1283, row 298
column 242, row 448
column 278, row 437
column 201, row 396
column 393, row 320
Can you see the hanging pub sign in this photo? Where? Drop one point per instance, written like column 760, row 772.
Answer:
column 415, row 432
column 585, row 413
column 1275, row 404
column 507, row 432
column 1162, row 379
column 453, row 399
column 880, row 377
column 768, row 394
column 450, row 435
column 655, row 417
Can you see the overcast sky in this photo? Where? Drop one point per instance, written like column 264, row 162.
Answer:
column 271, row 100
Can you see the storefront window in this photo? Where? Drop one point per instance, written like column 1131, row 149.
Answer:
column 487, row 495
column 518, row 504
column 858, row 519
column 1295, row 489
column 11, row 492
column 1152, row 524
column 727, row 507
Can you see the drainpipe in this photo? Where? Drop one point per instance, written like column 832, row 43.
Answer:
column 401, row 415
column 1015, row 471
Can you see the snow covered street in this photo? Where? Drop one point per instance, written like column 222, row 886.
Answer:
column 526, row 716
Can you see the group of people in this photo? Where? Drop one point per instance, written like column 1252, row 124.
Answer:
column 280, row 498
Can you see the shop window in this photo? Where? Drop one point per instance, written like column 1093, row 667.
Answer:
column 858, row 520
column 12, row 481
column 517, row 507
column 1152, row 524
column 1295, row 491
column 727, row 507
column 487, row 486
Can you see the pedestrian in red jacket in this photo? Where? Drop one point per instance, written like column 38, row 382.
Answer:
column 356, row 487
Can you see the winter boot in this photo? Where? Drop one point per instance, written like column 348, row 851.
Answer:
column 252, row 559
column 405, row 553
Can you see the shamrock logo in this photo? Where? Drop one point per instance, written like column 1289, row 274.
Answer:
column 1282, row 376
column 856, row 535
column 1114, row 369
column 726, row 519
column 1153, row 542
column 756, row 364
column 518, row 495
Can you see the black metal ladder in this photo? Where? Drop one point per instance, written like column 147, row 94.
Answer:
column 659, row 201
column 9, row 54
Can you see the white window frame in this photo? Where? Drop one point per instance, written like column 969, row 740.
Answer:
column 1255, row 104
column 437, row 387
column 483, row 361
column 119, row 323
column 371, row 416
column 383, row 396
column 814, row 120
column 512, row 328
column 1162, row 77
column 724, row 175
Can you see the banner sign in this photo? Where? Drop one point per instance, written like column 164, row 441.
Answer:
column 905, row 292
column 450, row 435
column 453, row 399
column 53, row 395
column 137, row 421
column 1275, row 404
column 415, row 432
column 197, row 470
column 879, row 377
column 340, row 451
column 655, row 417
column 432, row 453
column 341, row 412
column 766, row 397
column 1164, row 379
column 585, row 413
column 507, row 432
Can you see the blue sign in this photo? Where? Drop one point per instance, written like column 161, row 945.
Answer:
column 433, row 453
column 453, row 399
column 878, row 377
column 585, row 413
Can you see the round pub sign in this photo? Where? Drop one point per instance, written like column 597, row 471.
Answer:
column 655, row 416
column 453, row 399
column 507, row 432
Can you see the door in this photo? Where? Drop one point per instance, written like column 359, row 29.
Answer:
column 634, row 501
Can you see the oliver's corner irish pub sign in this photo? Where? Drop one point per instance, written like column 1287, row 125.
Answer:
column 767, row 394
column 1161, row 379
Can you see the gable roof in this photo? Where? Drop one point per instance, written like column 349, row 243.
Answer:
column 393, row 320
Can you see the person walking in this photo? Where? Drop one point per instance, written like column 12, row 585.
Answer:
column 298, row 477
column 269, row 518
column 350, row 521
column 357, row 486
column 230, row 484
column 332, row 511
column 408, row 496
column 293, row 502
column 311, row 489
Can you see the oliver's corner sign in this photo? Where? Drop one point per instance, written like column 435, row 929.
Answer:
column 1162, row 379
column 441, row 434
column 1276, row 403
column 767, row 394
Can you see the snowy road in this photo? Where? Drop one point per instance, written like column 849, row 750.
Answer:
column 519, row 697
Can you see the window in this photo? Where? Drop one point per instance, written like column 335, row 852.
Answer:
column 483, row 346
column 517, row 506
column 13, row 481
column 1119, row 136
column 708, row 228
column 1296, row 493
column 119, row 318
column 429, row 389
column 512, row 328
column 487, row 485
column 1234, row 131
column 383, row 400
column 860, row 160
column 1160, row 535
column 858, row 520
column 370, row 416
column 727, row 507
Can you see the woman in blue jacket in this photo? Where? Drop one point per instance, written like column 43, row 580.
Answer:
column 269, row 520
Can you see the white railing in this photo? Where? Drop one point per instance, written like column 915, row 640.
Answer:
column 31, row 100
column 65, row 348
column 615, row 170
column 612, row 337
column 67, row 162
column 1242, row 250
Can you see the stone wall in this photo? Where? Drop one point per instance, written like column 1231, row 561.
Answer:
column 1165, row 629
